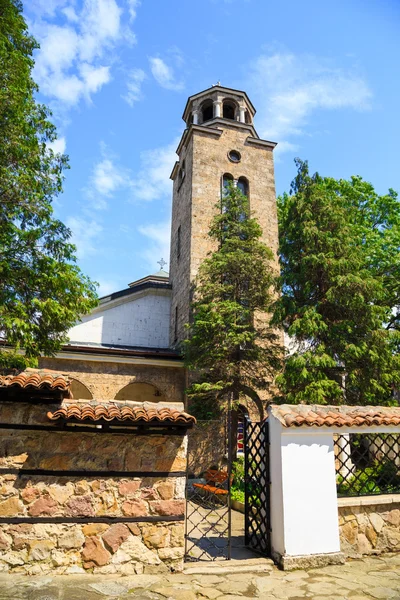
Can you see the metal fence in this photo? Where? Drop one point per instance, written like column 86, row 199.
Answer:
column 367, row 464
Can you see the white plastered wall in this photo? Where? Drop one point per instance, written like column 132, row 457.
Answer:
column 142, row 321
column 304, row 517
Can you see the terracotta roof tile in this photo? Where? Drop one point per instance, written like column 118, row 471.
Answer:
column 335, row 416
column 40, row 380
column 114, row 412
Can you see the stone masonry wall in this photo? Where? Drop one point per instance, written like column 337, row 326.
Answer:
column 105, row 379
column 369, row 526
column 94, row 502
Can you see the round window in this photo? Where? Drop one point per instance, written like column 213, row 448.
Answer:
column 234, row 156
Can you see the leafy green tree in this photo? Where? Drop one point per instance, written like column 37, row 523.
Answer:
column 42, row 291
column 231, row 346
column 340, row 303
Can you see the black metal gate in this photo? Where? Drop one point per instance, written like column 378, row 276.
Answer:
column 208, row 504
column 257, row 484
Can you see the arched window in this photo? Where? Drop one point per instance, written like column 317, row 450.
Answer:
column 227, row 178
column 228, row 110
column 243, row 186
column 182, row 171
column 79, row 391
column 247, row 117
column 140, row 392
column 207, row 111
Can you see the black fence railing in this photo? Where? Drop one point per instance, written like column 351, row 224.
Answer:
column 367, row 464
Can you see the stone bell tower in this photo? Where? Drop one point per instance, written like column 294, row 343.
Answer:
column 219, row 144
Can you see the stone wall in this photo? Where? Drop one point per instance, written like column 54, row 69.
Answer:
column 105, row 379
column 75, row 501
column 369, row 525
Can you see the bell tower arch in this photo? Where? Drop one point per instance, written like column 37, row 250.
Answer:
column 219, row 143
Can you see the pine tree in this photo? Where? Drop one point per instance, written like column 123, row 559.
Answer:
column 231, row 346
column 340, row 271
column 42, row 291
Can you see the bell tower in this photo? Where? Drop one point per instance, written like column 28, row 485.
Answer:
column 219, row 144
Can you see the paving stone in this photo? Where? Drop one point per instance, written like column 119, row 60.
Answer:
column 108, row 588
column 383, row 593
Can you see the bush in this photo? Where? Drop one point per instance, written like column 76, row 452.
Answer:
column 380, row 478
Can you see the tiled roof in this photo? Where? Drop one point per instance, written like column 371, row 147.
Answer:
column 114, row 412
column 335, row 416
column 35, row 381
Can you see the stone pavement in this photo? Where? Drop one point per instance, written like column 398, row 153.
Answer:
column 376, row 577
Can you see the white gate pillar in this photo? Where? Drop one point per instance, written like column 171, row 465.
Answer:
column 304, row 512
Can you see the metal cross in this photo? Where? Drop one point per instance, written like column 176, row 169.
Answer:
column 161, row 263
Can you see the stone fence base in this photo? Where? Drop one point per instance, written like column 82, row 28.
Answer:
column 124, row 548
column 369, row 525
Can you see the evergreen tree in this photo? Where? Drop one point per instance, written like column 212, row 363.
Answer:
column 231, row 346
column 42, row 291
column 340, row 303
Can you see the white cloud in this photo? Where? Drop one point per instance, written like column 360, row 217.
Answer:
column 134, row 86
column 59, row 145
column 153, row 181
column 133, row 6
column 290, row 88
column 107, row 177
column 164, row 75
column 158, row 235
column 85, row 234
column 74, row 60
column 108, row 286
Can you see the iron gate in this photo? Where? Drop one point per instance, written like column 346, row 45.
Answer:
column 208, row 504
column 257, row 483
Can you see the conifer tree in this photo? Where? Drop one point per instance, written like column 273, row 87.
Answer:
column 340, row 303
column 231, row 346
column 42, row 291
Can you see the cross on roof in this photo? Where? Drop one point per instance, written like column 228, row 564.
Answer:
column 162, row 263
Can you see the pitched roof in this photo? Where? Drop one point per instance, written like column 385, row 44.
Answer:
column 335, row 416
column 145, row 413
column 35, row 380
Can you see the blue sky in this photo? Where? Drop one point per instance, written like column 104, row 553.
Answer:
column 323, row 76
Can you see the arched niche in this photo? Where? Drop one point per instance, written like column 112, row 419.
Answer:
column 79, row 391
column 207, row 111
column 140, row 392
column 229, row 110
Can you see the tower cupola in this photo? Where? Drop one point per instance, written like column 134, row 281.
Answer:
column 218, row 102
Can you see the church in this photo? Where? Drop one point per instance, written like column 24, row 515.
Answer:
column 127, row 349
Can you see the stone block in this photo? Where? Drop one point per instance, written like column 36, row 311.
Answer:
column 135, row 548
column 61, row 493
column 5, row 541
column 94, row 529
column 363, row 544
column 377, row 522
column 166, row 490
column 171, row 553
column 155, row 536
column 94, row 553
column 71, row 539
column 30, row 494
column 128, row 488
column 80, row 506
column 168, row 507
column 40, row 549
column 393, row 517
column 349, row 531
column 134, row 508
column 115, row 536
column 11, row 507
column 44, row 506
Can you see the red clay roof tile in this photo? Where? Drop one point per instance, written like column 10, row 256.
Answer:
column 335, row 416
column 35, row 380
column 115, row 412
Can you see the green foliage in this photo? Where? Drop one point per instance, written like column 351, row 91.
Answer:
column 381, row 478
column 340, row 303
column 238, row 485
column 231, row 344
column 42, row 291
